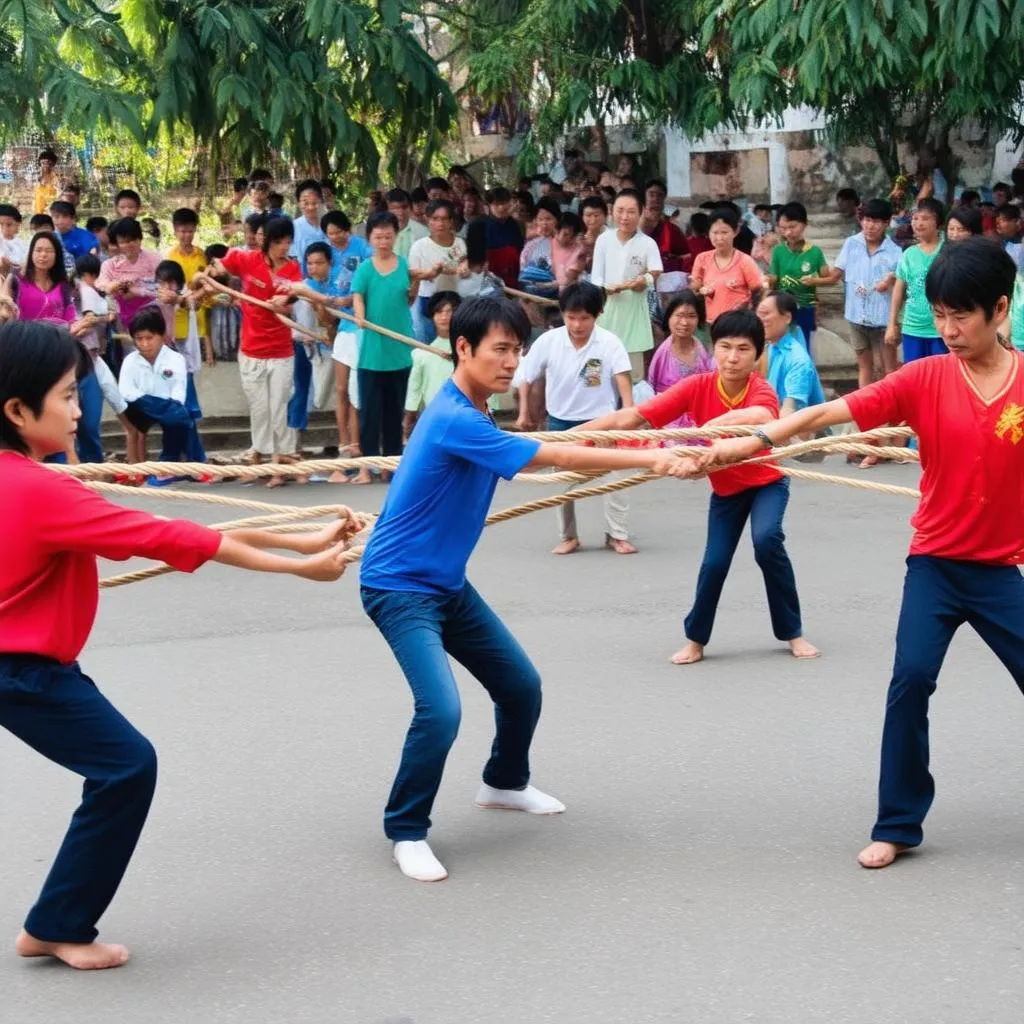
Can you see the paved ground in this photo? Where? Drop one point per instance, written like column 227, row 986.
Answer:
column 704, row 872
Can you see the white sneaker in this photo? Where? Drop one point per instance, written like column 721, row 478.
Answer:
column 416, row 860
column 531, row 800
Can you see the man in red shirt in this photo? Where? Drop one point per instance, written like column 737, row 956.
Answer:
column 675, row 253
column 266, row 357
column 734, row 394
column 967, row 408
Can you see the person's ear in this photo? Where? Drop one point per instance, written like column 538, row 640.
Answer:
column 462, row 348
column 16, row 411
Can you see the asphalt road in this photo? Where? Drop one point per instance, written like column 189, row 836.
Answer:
column 705, row 870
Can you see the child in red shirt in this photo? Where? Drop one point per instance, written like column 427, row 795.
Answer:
column 52, row 528
column 967, row 408
column 734, row 394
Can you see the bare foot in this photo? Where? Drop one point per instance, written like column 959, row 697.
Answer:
column 688, row 655
column 567, row 547
column 337, row 477
column 800, row 648
column 879, row 855
column 619, row 546
column 868, row 462
column 276, row 481
column 83, row 956
column 364, row 477
column 385, row 476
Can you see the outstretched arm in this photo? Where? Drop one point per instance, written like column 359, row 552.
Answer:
column 326, row 566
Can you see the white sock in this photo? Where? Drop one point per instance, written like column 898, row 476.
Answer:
column 416, row 860
column 531, row 800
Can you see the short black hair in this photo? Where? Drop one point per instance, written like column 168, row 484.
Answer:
column 171, row 272
column 656, row 183
column 969, row 217
column 125, row 228
column 549, row 205
column 95, row 224
column 128, row 193
column 1001, row 186
column 1008, row 211
column 309, row 185
column 398, row 195
column 630, row 193
column 570, row 220
column 700, row 225
column 277, row 229
column 441, row 204
column 9, row 210
column 240, row 184
column 255, row 221
column 525, row 199
column 739, row 323
column 184, row 216
column 441, row 299
column 593, row 203
column 758, row 207
column 40, row 222
column 500, row 194
column 381, row 219
column 476, row 316
column 259, row 174
column 65, row 209
column 848, row 195
column 582, row 296
column 785, row 303
column 323, row 248
column 149, row 318
column 88, row 264
column 34, row 355
column 794, row 211
column 217, row 251
column 934, row 207
column 276, row 200
column 970, row 195
column 418, row 194
column 441, row 183
column 687, row 297
column 338, row 218
column 726, row 214
column 973, row 274
column 877, row 209
column 47, row 154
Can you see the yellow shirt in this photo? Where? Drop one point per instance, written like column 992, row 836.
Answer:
column 191, row 265
column 44, row 195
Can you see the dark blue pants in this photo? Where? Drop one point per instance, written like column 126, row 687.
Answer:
column 939, row 596
column 764, row 507
column 59, row 712
column 381, row 408
column 181, row 440
column 422, row 630
column 302, row 376
column 918, row 348
column 87, row 439
column 807, row 321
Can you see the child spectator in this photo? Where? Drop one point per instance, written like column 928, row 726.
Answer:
column 97, row 226
column 419, row 200
column 567, row 254
column 919, row 334
column 436, row 263
column 429, row 373
column 762, row 221
column 128, row 203
column 266, row 359
column 223, row 318
column 494, row 242
column 409, row 230
column 130, row 276
column 13, row 249
column 154, row 383
column 172, row 297
column 727, row 278
column 75, row 240
column 46, row 191
column 799, row 268
column 192, row 261
column 275, row 205
column 383, row 290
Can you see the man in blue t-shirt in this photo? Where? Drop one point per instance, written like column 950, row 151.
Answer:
column 75, row 240
column 414, row 585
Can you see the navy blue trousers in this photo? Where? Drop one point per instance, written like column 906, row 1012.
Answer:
column 939, row 596
column 302, row 381
column 87, row 439
column 181, row 440
column 422, row 630
column 58, row 711
column 764, row 507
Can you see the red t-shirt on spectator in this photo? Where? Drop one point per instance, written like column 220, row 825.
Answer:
column 972, row 456
column 703, row 398
column 263, row 335
column 675, row 253
column 52, row 528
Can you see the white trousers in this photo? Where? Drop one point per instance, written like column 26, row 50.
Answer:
column 616, row 515
column 267, row 384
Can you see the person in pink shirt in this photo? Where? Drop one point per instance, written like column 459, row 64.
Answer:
column 567, row 257
column 130, row 276
column 681, row 354
column 727, row 278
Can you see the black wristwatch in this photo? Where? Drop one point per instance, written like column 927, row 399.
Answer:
column 759, row 433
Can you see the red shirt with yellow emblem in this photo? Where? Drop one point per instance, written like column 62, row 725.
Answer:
column 972, row 456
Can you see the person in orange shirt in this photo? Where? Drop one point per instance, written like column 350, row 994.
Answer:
column 727, row 278
column 47, row 190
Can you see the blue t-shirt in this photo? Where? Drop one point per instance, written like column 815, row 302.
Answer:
column 305, row 235
column 79, row 242
column 435, row 510
column 344, row 263
column 791, row 371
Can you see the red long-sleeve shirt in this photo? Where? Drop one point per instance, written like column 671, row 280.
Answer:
column 52, row 529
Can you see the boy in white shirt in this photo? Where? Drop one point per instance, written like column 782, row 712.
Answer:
column 13, row 250
column 588, row 374
column 154, row 383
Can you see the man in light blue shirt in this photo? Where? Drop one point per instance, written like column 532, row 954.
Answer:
column 867, row 265
column 310, row 197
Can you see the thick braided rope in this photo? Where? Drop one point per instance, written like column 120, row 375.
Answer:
column 849, row 481
column 170, row 494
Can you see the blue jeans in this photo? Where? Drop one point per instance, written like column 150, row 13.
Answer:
column 57, row 710
column 918, row 348
column 764, row 507
column 422, row 630
column 298, row 404
column 939, row 596
column 90, row 399
column 181, row 440
column 807, row 321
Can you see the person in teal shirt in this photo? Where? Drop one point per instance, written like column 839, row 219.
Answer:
column 382, row 291
column 919, row 334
